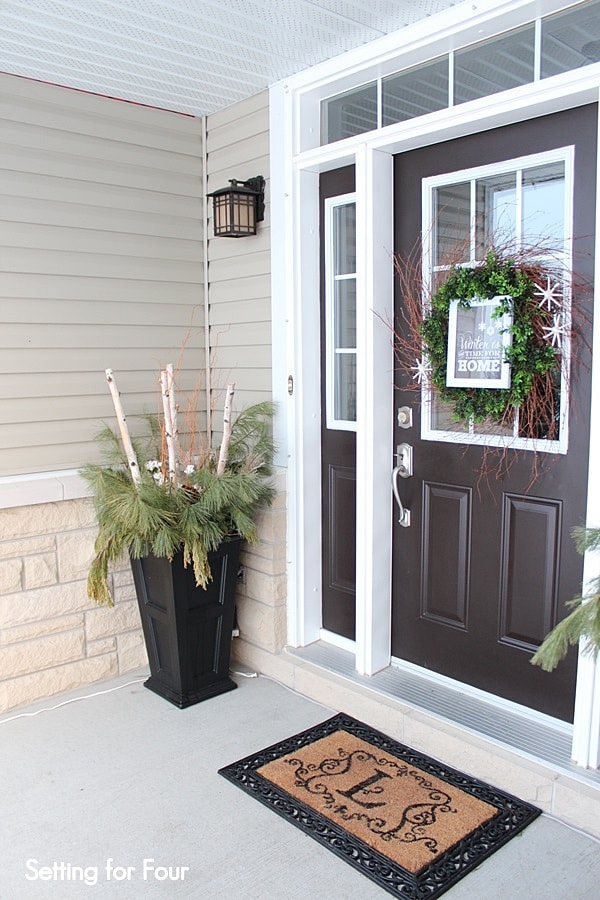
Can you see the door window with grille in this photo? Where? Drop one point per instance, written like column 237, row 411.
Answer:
column 521, row 206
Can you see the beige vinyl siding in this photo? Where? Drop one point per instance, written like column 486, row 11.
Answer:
column 239, row 269
column 101, row 265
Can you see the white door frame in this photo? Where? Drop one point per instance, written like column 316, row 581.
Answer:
column 295, row 254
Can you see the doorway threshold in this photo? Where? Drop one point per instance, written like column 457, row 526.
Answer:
column 532, row 735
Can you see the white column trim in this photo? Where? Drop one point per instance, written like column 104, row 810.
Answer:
column 586, row 724
column 375, row 375
column 296, row 324
column 305, row 412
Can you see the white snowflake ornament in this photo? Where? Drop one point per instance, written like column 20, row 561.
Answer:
column 557, row 331
column 551, row 294
column 421, row 370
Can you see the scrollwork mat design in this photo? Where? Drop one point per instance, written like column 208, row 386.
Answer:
column 410, row 824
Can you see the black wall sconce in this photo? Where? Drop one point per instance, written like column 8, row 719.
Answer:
column 237, row 209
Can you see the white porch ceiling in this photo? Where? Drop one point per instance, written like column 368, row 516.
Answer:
column 190, row 56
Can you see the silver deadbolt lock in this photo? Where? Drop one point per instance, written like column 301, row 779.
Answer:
column 405, row 417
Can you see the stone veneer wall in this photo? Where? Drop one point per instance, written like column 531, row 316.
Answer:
column 52, row 638
column 261, row 596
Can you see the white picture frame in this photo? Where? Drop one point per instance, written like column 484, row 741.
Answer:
column 477, row 343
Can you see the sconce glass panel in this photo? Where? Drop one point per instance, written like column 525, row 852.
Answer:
column 234, row 213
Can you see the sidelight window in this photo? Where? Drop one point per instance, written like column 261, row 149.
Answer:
column 340, row 312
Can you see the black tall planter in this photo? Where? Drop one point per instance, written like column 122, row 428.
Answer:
column 187, row 628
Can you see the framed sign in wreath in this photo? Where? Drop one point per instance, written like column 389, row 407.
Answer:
column 478, row 337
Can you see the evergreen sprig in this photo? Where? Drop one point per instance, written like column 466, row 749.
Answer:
column 583, row 622
column 194, row 515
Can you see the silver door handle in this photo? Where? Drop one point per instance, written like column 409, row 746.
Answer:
column 404, row 460
column 404, row 518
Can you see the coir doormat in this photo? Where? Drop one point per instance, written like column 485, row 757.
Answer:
column 411, row 824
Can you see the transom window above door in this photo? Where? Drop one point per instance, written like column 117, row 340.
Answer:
column 521, row 207
column 556, row 43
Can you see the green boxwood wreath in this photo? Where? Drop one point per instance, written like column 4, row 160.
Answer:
column 535, row 363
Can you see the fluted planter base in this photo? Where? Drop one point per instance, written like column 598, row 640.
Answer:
column 188, row 629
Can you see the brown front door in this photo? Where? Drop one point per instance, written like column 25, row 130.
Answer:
column 483, row 572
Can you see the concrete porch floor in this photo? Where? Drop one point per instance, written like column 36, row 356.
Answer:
column 115, row 776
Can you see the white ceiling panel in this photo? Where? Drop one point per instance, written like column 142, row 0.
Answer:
column 191, row 56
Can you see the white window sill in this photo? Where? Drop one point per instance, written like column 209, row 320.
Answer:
column 42, row 487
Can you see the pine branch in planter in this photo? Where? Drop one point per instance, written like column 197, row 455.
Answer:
column 583, row 622
column 251, row 445
column 174, row 507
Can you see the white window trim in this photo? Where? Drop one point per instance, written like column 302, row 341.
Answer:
column 331, row 279
column 565, row 155
column 294, row 193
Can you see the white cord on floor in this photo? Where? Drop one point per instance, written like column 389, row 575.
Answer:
column 281, row 684
column 581, row 831
column 27, row 715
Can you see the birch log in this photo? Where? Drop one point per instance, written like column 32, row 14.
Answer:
column 124, row 430
column 166, row 388
column 224, row 451
column 174, row 410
